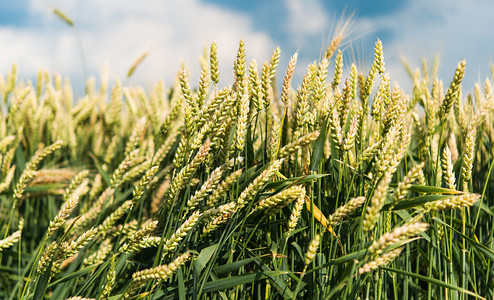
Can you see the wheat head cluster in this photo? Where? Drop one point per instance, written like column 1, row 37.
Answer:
column 340, row 188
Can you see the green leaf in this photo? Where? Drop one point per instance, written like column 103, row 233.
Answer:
column 344, row 279
column 203, row 258
column 486, row 208
column 234, row 266
column 319, row 147
column 415, row 202
column 44, row 188
column 340, row 260
column 434, row 281
column 103, row 173
column 295, row 231
column 181, row 284
column 230, row 282
column 76, row 274
column 481, row 248
column 43, row 279
column 276, row 282
column 433, row 190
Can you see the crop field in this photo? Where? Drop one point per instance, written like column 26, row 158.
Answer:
column 344, row 187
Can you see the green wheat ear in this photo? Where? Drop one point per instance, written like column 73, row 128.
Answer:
column 136, row 63
column 63, row 16
column 213, row 58
column 453, row 89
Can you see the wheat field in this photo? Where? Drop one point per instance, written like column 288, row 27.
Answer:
column 340, row 188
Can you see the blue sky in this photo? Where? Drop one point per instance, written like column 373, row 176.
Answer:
column 115, row 32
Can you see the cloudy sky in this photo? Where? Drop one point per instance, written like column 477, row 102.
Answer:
column 114, row 33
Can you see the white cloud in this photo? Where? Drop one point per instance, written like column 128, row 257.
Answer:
column 453, row 29
column 116, row 32
column 308, row 27
column 305, row 18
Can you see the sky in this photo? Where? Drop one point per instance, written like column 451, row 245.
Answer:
column 112, row 34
